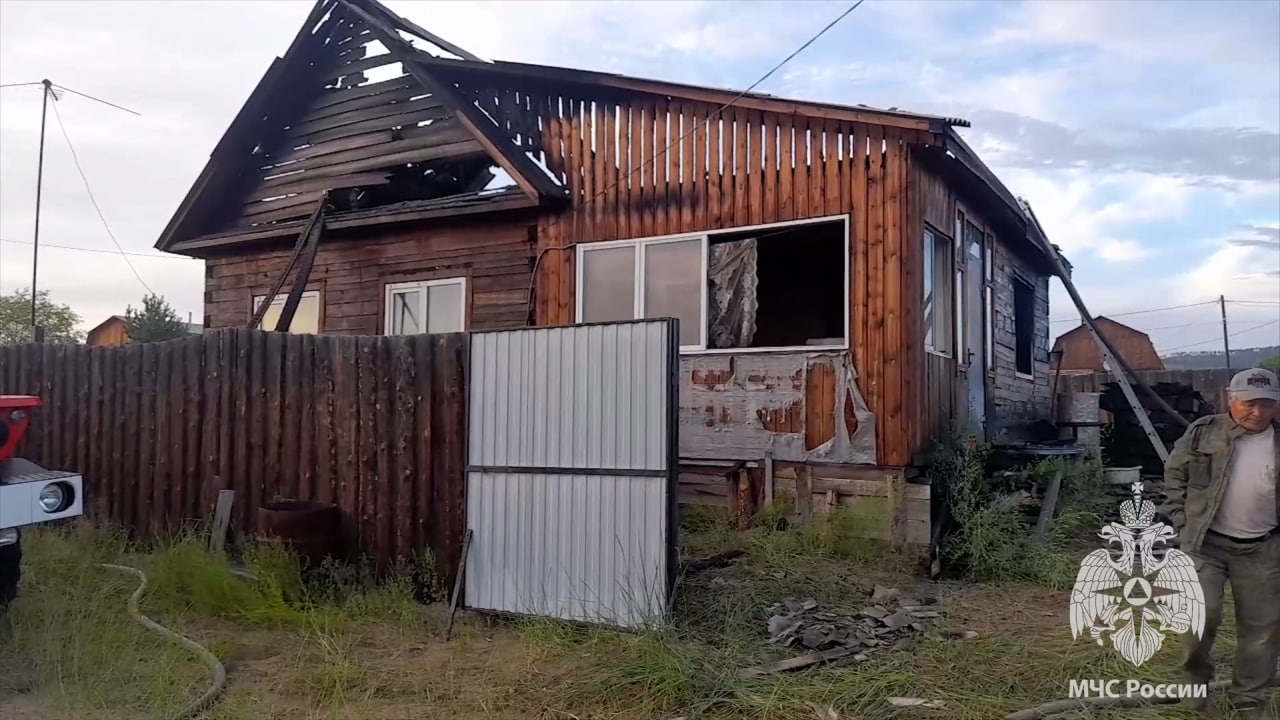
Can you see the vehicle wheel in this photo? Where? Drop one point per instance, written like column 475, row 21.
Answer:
column 10, row 570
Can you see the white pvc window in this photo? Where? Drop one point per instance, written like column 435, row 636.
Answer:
column 306, row 319
column 427, row 306
column 634, row 280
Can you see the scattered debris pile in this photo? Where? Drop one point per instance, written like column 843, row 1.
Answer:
column 1127, row 444
column 890, row 620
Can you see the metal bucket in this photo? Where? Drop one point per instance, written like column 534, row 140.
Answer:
column 310, row 529
column 1122, row 476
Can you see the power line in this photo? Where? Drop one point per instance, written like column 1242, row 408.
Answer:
column 623, row 177
column 1214, row 340
column 9, row 85
column 1254, row 302
column 100, row 100
column 99, row 250
column 1141, row 312
column 1178, row 327
column 94, row 201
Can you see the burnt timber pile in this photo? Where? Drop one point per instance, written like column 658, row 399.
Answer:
column 1127, row 445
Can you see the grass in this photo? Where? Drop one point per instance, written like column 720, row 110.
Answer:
column 338, row 647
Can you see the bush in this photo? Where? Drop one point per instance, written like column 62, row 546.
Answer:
column 991, row 539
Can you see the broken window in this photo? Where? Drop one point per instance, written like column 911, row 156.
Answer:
column 306, row 319
column 939, row 318
column 428, row 306
column 1024, row 324
column 771, row 287
column 779, row 287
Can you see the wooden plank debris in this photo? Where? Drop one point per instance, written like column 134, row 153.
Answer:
column 796, row 663
column 221, row 522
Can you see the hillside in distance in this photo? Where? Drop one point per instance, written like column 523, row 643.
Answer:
column 1242, row 358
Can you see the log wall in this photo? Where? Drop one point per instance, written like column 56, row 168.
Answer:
column 352, row 270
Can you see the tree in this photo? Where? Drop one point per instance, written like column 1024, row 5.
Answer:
column 59, row 321
column 155, row 322
column 1271, row 363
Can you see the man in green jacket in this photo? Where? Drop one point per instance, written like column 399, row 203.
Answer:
column 1221, row 486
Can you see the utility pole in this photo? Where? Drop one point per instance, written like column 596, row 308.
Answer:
column 46, row 90
column 1226, row 347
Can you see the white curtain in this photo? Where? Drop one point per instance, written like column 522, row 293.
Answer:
column 732, row 302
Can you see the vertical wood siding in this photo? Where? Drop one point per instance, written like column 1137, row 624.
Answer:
column 373, row 424
column 743, row 167
column 936, row 405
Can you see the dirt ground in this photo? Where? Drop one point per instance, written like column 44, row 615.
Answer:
column 70, row 650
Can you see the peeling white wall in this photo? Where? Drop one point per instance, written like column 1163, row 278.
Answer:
column 727, row 401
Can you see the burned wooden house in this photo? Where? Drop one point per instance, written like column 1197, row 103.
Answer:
column 850, row 282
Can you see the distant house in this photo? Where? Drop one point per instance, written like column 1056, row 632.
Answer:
column 1080, row 354
column 114, row 332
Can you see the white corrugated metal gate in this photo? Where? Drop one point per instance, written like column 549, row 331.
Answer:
column 571, row 471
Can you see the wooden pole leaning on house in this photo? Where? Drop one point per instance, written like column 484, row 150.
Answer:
column 1164, row 405
column 304, row 271
column 1110, row 362
column 308, row 240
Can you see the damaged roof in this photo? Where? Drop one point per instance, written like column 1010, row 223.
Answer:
column 348, row 114
column 357, row 116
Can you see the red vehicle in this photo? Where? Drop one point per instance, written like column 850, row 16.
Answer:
column 29, row 494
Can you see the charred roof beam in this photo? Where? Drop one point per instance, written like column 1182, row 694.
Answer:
column 406, row 25
column 535, row 183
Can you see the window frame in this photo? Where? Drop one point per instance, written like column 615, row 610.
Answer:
column 705, row 237
column 390, row 289
column 1019, row 279
column 988, row 301
column 282, row 297
column 940, row 239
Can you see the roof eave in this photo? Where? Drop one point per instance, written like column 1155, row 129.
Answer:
column 242, row 118
column 957, row 148
column 509, row 199
column 759, row 101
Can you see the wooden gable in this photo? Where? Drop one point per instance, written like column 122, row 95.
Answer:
column 347, row 113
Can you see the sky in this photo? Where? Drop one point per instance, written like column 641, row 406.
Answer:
column 1146, row 136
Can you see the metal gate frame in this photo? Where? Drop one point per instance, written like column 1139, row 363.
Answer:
column 670, row 473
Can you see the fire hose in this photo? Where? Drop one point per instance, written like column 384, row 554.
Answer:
column 219, row 672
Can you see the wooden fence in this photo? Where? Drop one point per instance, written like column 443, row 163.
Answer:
column 1211, row 383
column 376, row 425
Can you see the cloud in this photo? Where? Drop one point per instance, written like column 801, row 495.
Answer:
column 1225, row 155
column 1263, row 236
column 1087, row 214
column 1238, row 271
column 1123, row 251
column 1237, row 34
